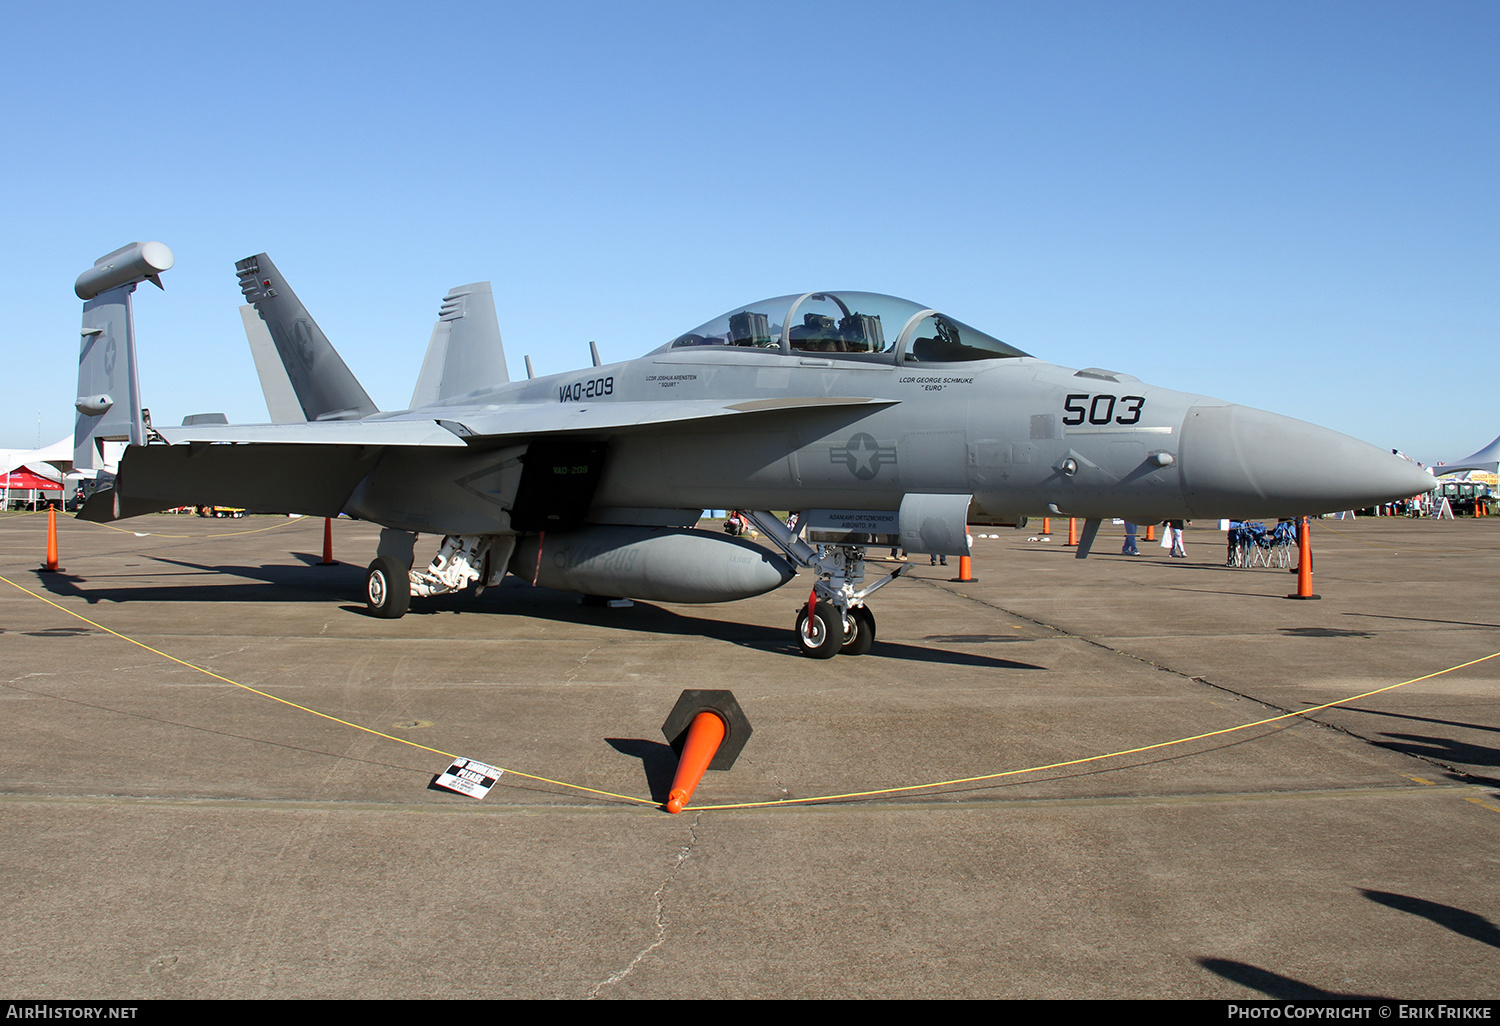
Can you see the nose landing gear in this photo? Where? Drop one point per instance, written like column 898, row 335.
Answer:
column 835, row 619
column 819, row 638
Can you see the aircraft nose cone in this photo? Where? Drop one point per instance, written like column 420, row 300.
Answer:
column 1242, row 462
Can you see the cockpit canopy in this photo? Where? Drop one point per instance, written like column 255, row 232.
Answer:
column 863, row 326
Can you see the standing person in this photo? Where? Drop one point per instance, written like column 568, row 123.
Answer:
column 1174, row 529
column 1130, row 548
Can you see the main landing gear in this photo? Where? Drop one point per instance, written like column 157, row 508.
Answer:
column 461, row 560
column 387, row 589
column 834, row 620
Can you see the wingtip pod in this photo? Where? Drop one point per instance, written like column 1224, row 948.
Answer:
column 139, row 261
column 109, row 391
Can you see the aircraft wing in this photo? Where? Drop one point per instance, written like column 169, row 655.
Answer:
column 328, row 432
column 458, row 425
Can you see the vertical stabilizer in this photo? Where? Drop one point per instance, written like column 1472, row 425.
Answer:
column 281, row 400
column 109, row 388
column 465, row 352
column 325, row 387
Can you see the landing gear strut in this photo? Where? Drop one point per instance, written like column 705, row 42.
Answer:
column 835, row 619
column 461, row 560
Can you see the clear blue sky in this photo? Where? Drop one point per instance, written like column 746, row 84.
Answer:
column 1290, row 205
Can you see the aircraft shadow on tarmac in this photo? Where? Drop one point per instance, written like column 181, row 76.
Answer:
column 1443, row 750
column 517, row 598
column 1425, row 619
column 1274, row 985
column 248, row 584
column 312, row 583
column 1460, row 921
column 1323, row 632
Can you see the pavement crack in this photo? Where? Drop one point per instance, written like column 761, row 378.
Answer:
column 582, row 662
column 659, row 915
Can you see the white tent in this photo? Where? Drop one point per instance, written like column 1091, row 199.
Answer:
column 41, row 462
column 45, row 459
column 1487, row 459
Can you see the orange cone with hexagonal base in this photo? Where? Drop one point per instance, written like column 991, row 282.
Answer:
column 703, row 740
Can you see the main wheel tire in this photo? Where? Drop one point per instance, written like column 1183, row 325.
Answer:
column 859, row 635
column 821, row 635
column 387, row 588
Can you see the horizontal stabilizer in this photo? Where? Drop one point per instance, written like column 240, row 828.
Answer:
column 266, row 478
column 465, row 353
column 325, row 387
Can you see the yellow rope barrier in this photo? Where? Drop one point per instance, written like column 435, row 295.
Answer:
column 1090, row 758
column 774, row 803
column 303, row 708
column 201, row 537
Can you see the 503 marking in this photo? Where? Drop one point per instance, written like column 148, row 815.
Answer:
column 1100, row 409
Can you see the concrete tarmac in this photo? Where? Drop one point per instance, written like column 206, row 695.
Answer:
column 167, row 834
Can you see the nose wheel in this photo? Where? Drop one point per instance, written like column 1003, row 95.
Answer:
column 819, row 635
column 859, row 631
column 823, row 636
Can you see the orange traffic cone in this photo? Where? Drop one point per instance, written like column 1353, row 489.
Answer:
column 1072, row 530
column 1304, row 564
column 51, row 564
column 707, row 729
column 702, row 744
column 1151, row 532
column 965, row 576
column 328, row 559
column 1046, row 525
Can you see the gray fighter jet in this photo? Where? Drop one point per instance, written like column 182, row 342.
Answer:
column 883, row 422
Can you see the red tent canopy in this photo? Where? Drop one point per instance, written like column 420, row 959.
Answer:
column 23, row 478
